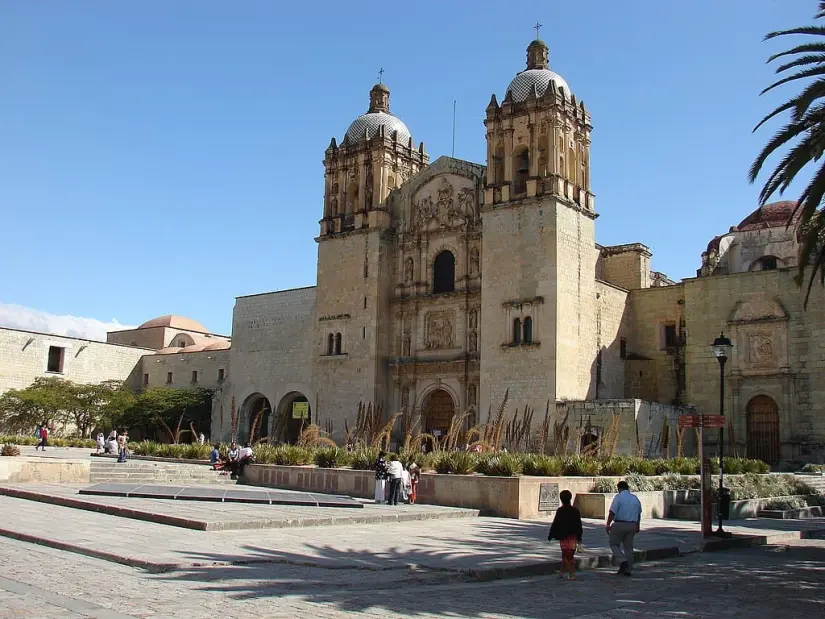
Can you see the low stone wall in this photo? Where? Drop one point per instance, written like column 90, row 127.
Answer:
column 656, row 504
column 17, row 469
column 507, row 497
column 738, row 509
column 793, row 514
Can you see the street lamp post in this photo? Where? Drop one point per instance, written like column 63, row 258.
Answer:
column 721, row 350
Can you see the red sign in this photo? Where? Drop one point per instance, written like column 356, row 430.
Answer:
column 690, row 421
column 713, row 421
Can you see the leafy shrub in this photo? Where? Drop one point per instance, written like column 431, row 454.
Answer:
column 641, row 466
column 500, row 465
column 639, row 482
column 684, row 466
column 548, row 466
column 332, row 457
column 616, row 465
column 604, row 484
column 284, row 455
column 363, row 459
column 455, row 462
column 9, row 449
column 808, row 468
column 787, row 503
column 582, row 467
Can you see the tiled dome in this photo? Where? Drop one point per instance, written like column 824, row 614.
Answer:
column 174, row 322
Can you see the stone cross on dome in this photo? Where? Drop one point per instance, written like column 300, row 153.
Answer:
column 537, row 27
column 381, row 75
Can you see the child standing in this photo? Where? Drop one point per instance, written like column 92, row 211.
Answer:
column 567, row 529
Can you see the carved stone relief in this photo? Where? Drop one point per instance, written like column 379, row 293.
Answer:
column 445, row 201
column 439, row 330
column 408, row 270
column 405, row 398
column 405, row 344
column 473, row 319
column 760, row 349
column 472, row 345
column 467, row 202
column 472, row 391
column 474, row 262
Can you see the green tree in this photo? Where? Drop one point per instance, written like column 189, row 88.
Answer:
column 171, row 409
column 96, row 406
column 44, row 400
column 804, row 136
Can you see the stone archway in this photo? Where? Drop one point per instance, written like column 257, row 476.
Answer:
column 255, row 411
column 437, row 412
column 292, row 419
column 763, row 429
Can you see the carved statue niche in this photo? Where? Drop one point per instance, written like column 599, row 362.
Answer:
column 333, row 206
column 467, row 202
column 408, row 271
column 473, row 319
column 439, row 330
column 368, row 185
column 405, row 344
column 445, row 204
column 474, row 262
column 405, row 398
column 472, row 346
column 472, row 391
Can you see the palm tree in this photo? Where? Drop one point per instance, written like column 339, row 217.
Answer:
column 807, row 125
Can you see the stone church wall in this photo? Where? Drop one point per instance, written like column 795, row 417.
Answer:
column 156, row 369
column 24, row 357
column 608, row 372
column 777, row 352
column 271, row 352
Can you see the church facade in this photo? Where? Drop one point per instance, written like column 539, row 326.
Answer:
column 442, row 286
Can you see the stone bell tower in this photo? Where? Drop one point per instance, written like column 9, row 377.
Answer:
column 539, row 247
column 376, row 155
column 356, row 261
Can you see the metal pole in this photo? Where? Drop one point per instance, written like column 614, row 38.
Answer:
column 722, row 360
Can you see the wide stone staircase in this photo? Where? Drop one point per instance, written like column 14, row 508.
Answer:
column 146, row 471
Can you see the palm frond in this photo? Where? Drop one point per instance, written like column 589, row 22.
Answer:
column 784, row 135
column 799, row 49
column 808, row 59
column 813, row 30
column 796, row 76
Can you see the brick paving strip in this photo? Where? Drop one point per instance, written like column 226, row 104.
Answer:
column 467, row 548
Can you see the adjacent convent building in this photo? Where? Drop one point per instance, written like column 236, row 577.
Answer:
column 443, row 285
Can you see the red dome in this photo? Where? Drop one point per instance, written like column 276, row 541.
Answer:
column 772, row 215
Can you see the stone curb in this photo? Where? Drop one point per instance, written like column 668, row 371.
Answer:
column 239, row 525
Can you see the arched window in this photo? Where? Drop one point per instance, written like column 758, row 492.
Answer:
column 498, row 165
column 528, row 330
column 571, row 162
column 337, row 343
column 516, row 332
column 768, row 263
column 521, row 163
column 331, row 344
column 444, row 272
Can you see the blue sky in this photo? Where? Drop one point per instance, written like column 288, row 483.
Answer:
column 164, row 157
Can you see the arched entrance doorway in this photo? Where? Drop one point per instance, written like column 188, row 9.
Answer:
column 438, row 410
column 763, row 429
column 294, row 414
column 255, row 418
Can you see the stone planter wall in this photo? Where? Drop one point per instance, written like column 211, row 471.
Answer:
column 738, row 509
column 656, row 504
column 507, row 497
column 19, row 469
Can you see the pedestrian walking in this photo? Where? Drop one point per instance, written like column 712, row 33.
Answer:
column 44, row 437
column 121, row 446
column 415, row 477
column 567, row 529
column 380, row 476
column 623, row 522
column 395, row 472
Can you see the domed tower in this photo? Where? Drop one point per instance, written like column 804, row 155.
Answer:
column 376, row 155
column 355, row 257
column 538, row 139
column 538, row 255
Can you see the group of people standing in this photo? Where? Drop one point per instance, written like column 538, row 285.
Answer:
column 42, row 434
column 393, row 482
column 623, row 522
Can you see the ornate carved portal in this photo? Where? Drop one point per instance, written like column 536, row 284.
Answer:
column 439, row 330
column 438, row 412
column 763, row 429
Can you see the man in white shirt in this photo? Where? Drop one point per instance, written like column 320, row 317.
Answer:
column 394, row 470
column 623, row 522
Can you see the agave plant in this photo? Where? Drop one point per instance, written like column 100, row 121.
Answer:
column 9, row 449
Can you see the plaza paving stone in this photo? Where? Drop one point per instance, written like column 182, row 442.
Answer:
column 785, row 581
column 478, row 547
column 231, row 515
